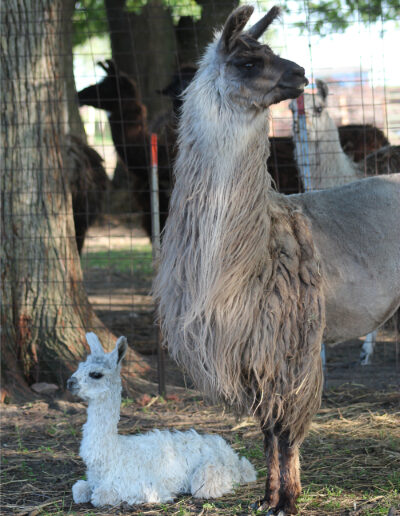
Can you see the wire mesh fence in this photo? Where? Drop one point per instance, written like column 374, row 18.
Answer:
column 112, row 75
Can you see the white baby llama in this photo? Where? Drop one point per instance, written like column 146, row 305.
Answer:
column 150, row 468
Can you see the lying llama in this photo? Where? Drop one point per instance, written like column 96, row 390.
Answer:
column 246, row 273
column 117, row 94
column 327, row 165
column 151, row 468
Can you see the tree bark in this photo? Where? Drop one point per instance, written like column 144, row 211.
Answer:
column 75, row 123
column 45, row 311
column 144, row 47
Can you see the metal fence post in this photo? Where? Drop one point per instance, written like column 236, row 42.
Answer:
column 155, row 231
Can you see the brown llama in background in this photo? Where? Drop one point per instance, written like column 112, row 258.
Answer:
column 359, row 140
column 117, row 94
column 88, row 182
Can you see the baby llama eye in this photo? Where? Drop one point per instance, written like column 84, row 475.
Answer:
column 95, row 376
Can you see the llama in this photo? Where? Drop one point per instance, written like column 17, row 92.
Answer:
column 359, row 140
column 327, row 165
column 151, row 468
column 117, row 94
column 250, row 280
column 355, row 139
column 88, row 182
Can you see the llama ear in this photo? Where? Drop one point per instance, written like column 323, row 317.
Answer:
column 234, row 25
column 262, row 25
column 94, row 343
column 121, row 347
column 322, row 89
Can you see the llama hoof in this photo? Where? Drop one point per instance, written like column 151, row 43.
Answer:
column 263, row 507
column 365, row 359
column 81, row 492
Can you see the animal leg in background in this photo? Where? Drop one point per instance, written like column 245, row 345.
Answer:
column 367, row 348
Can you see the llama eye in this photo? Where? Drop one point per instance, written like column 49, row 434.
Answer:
column 318, row 110
column 96, row 376
column 248, row 65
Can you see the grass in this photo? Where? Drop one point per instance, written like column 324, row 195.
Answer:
column 135, row 261
column 350, row 460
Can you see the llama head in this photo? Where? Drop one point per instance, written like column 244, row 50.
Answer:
column 246, row 74
column 113, row 90
column 100, row 373
column 179, row 82
column 320, row 126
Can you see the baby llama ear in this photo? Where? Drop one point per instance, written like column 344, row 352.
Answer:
column 94, row 343
column 121, row 347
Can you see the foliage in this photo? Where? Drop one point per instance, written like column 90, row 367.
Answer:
column 89, row 20
column 90, row 17
column 327, row 16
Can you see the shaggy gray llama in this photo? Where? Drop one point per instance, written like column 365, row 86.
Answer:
column 246, row 273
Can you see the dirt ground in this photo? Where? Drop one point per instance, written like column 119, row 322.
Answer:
column 350, row 460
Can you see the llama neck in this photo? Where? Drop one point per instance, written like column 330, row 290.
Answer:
column 222, row 169
column 329, row 166
column 101, row 428
column 218, row 228
column 130, row 136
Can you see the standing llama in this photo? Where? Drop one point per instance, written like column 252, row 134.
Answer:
column 151, row 468
column 326, row 164
column 246, row 274
column 117, row 94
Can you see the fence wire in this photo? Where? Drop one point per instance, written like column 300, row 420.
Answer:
column 131, row 62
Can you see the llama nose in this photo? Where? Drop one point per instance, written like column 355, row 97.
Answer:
column 71, row 384
column 294, row 73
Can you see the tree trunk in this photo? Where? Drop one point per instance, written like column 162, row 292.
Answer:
column 45, row 311
column 193, row 36
column 75, row 123
column 144, row 47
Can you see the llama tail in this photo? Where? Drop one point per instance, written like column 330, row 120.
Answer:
column 247, row 471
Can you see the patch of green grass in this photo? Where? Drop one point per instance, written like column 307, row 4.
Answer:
column 137, row 260
column 125, row 402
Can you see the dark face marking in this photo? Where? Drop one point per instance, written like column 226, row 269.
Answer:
column 95, row 375
column 264, row 77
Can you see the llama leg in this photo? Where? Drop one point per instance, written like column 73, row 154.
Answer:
column 368, row 348
column 272, row 485
column 81, row 491
column 290, row 488
column 104, row 495
column 323, row 359
column 212, row 481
